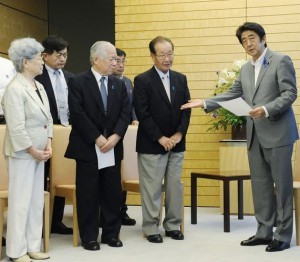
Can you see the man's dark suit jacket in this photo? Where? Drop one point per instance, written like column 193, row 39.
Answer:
column 129, row 88
column 44, row 79
column 158, row 116
column 89, row 119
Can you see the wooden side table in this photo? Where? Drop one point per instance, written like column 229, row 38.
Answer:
column 226, row 177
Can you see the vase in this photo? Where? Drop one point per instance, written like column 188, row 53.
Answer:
column 239, row 132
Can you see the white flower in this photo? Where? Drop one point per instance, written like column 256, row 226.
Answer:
column 227, row 77
column 236, row 66
column 222, row 81
column 231, row 74
column 223, row 74
column 222, row 117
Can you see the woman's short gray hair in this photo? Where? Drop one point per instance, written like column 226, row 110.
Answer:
column 23, row 48
column 99, row 49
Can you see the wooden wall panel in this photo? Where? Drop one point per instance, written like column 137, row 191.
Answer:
column 37, row 8
column 22, row 19
column 203, row 33
column 4, row 55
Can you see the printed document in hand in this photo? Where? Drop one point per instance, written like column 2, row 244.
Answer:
column 105, row 159
column 238, row 106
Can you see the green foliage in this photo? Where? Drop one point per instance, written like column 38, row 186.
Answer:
column 225, row 118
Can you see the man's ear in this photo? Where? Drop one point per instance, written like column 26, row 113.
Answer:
column 152, row 56
column 45, row 56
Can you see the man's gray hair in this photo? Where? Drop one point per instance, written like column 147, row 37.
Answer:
column 99, row 49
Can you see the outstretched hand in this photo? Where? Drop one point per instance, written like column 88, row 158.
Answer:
column 192, row 104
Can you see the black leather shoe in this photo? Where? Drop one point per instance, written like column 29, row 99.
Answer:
column 3, row 241
column 114, row 242
column 175, row 234
column 155, row 238
column 254, row 241
column 60, row 228
column 277, row 245
column 92, row 246
column 127, row 221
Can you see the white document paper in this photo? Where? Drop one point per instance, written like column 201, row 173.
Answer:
column 238, row 106
column 105, row 159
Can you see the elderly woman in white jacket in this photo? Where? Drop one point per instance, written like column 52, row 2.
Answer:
column 27, row 145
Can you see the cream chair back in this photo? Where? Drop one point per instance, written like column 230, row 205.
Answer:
column 3, row 167
column 129, row 163
column 62, row 170
column 296, row 173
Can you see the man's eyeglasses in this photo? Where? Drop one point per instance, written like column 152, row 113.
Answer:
column 165, row 56
column 120, row 61
column 59, row 55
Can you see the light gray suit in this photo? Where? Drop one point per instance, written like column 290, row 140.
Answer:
column 33, row 126
column 270, row 140
column 28, row 123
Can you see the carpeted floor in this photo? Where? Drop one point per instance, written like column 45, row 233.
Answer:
column 203, row 242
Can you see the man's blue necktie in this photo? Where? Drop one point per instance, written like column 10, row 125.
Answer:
column 103, row 92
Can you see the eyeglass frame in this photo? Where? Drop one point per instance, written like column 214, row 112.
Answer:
column 120, row 61
column 58, row 55
column 163, row 57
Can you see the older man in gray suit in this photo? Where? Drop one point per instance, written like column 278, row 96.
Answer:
column 268, row 84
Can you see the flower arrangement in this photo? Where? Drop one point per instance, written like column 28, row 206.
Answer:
column 222, row 117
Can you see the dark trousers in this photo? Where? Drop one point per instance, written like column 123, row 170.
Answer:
column 2, row 119
column 95, row 190
column 124, row 207
column 59, row 202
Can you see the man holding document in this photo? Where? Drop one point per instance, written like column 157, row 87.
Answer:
column 100, row 114
column 267, row 83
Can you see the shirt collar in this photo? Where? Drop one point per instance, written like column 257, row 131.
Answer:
column 161, row 74
column 260, row 59
column 97, row 75
column 51, row 70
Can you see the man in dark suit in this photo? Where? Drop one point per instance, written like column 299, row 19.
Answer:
column 267, row 83
column 118, row 72
column 100, row 115
column 158, row 94
column 55, row 57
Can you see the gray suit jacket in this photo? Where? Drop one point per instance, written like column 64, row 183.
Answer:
column 129, row 87
column 276, row 90
column 28, row 119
